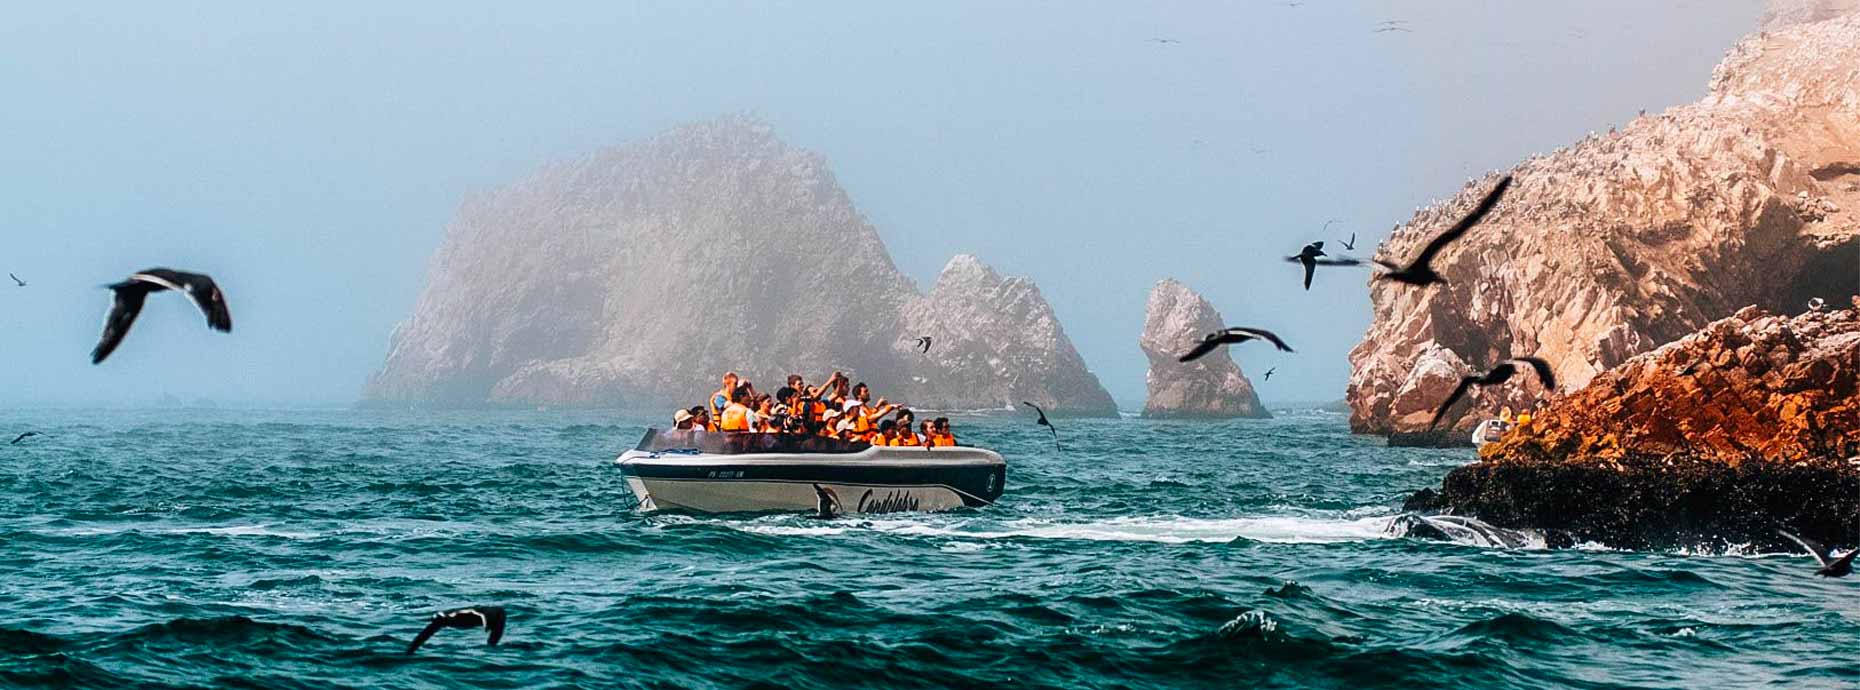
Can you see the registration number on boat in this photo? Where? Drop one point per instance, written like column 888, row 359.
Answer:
column 726, row 474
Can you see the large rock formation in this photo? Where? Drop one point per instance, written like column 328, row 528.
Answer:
column 1211, row 387
column 1631, row 239
column 1750, row 423
column 637, row 275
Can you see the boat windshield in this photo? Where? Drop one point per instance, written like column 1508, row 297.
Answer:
column 726, row 443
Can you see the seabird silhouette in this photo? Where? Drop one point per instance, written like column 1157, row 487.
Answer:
column 23, row 437
column 1499, row 374
column 131, row 293
column 923, row 344
column 1421, row 271
column 1042, row 422
column 16, row 279
column 1269, row 373
column 1313, row 256
column 488, row 617
column 1164, row 41
column 1232, row 336
column 1350, row 245
column 827, row 503
column 1830, row 566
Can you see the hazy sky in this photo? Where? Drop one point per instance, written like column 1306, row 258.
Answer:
column 310, row 156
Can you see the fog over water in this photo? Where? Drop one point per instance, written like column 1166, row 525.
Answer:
column 309, row 157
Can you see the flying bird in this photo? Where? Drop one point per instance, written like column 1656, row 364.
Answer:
column 488, row 617
column 23, row 437
column 1269, row 373
column 1232, row 336
column 1830, row 566
column 1387, row 29
column 131, row 293
column 1164, row 41
column 1042, row 422
column 1313, row 256
column 1350, row 245
column 16, row 279
column 1421, row 270
column 1499, row 374
column 923, row 344
column 827, row 503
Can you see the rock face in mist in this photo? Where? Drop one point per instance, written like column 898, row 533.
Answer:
column 1211, row 387
column 1631, row 239
column 638, row 275
column 1781, row 14
column 1751, row 423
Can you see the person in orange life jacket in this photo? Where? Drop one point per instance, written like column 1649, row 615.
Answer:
column 737, row 416
column 943, row 437
column 887, row 434
column 923, row 431
column 721, row 399
column 904, row 434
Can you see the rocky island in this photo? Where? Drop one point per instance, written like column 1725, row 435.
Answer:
column 1633, row 238
column 635, row 276
column 1212, row 387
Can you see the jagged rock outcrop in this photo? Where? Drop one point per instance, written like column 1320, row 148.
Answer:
column 637, row 275
column 1781, row 14
column 1634, row 238
column 1211, row 387
column 1750, row 423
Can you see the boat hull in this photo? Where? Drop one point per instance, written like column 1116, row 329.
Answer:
column 876, row 480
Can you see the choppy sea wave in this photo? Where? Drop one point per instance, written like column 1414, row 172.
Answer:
column 303, row 549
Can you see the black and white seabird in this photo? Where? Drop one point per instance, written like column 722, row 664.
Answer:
column 23, row 437
column 1043, row 422
column 1830, row 566
column 1421, row 271
column 131, row 293
column 1313, row 256
column 488, row 617
column 1232, row 336
column 1499, row 374
column 828, row 503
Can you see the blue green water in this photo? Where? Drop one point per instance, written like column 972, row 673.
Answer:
column 303, row 550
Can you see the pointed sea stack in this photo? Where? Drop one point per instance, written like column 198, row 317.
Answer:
column 1211, row 387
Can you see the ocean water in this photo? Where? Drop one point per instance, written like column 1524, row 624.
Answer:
column 303, row 549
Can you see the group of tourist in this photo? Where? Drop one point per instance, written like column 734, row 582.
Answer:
column 838, row 408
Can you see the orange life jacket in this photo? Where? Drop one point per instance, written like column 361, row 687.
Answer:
column 909, row 439
column 942, row 440
column 735, row 418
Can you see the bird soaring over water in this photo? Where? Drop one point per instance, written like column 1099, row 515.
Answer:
column 1421, row 271
column 1830, row 566
column 23, row 437
column 16, row 279
column 923, row 344
column 827, row 504
column 1499, row 374
column 1043, row 422
column 132, row 292
column 1232, row 336
column 488, row 617
column 1313, row 256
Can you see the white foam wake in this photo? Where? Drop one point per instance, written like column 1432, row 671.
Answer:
column 1164, row 529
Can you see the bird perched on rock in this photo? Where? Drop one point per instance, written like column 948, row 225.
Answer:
column 1421, row 271
column 1499, row 374
column 490, row 618
column 1313, row 256
column 1232, row 336
column 1042, row 421
column 131, row 293
column 1830, row 566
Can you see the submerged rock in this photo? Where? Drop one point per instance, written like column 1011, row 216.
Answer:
column 1212, row 387
column 1749, row 424
column 1631, row 239
column 637, row 275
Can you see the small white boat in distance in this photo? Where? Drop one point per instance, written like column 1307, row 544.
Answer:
column 1489, row 431
column 706, row 472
